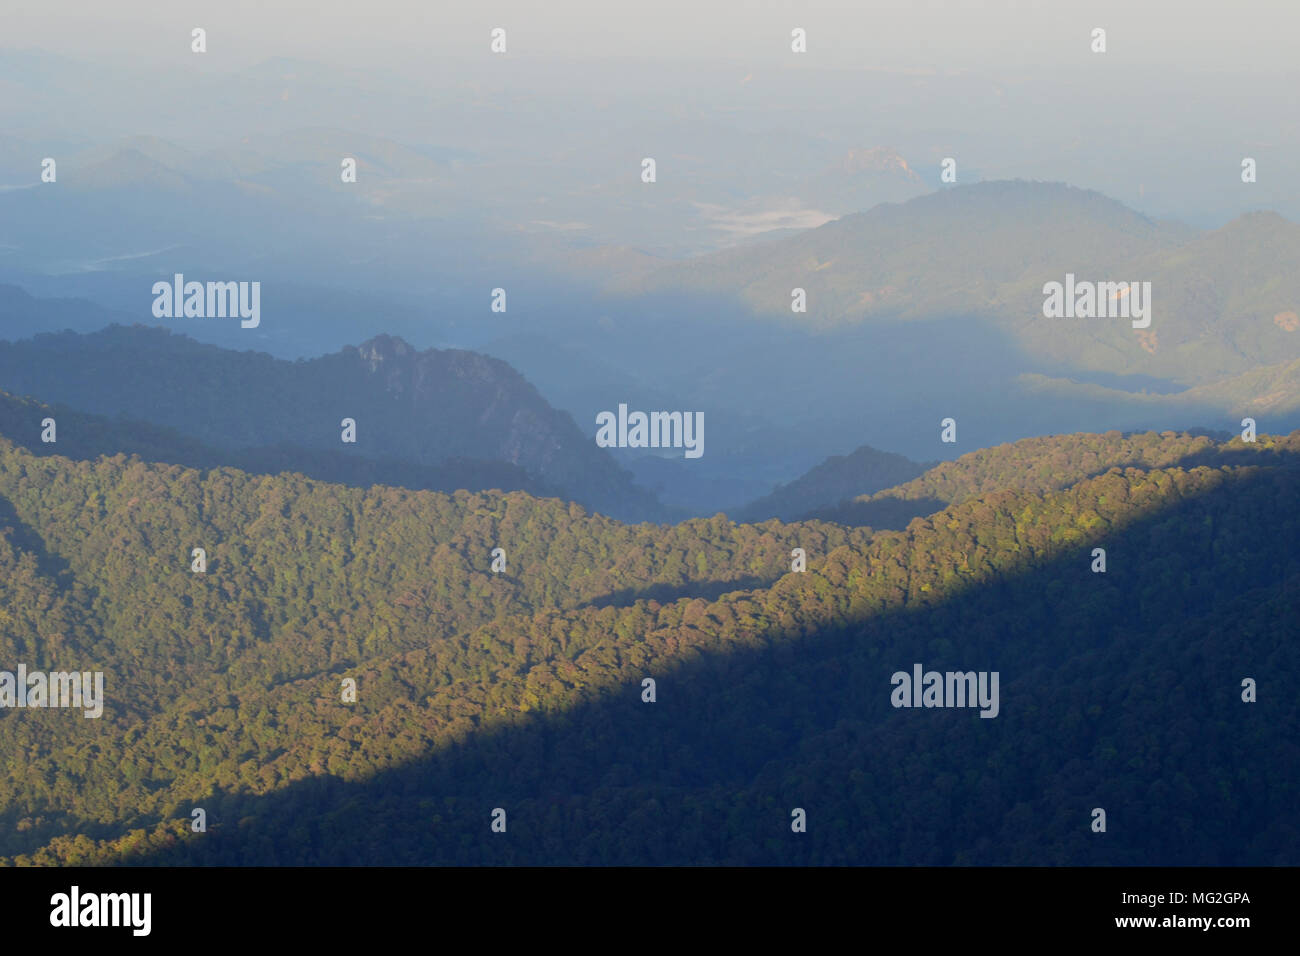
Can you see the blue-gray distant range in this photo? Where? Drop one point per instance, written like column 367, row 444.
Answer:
column 916, row 311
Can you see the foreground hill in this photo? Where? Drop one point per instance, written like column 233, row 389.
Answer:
column 411, row 408
column 523, row 690
column 1046, row 463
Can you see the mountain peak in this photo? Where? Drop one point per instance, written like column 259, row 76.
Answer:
column 875, row 159
column 385, row 348
column 129, row 167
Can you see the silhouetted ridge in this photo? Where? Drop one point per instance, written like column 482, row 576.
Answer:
column 413, row 409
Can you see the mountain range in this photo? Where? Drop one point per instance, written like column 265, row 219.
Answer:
column 414, row 412
column 1222, row 300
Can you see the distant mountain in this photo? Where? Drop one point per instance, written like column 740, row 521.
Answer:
column 127, row 168
column 860, row 472
column 949, row 252
column 1266, row 390
column 23, row 315
column 1272, row 390
column 861, row 179
column 82, row 436
column 421, row 408
column 1223, row 303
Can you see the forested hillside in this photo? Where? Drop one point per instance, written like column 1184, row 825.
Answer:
column 1036, row 464
column 411, row 409
column 79, row 435
column 523, row 690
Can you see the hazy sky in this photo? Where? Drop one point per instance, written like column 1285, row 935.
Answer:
column 932, row 35
column 1161, row 122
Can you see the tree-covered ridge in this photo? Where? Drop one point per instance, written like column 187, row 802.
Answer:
column 523, row 689
column 413, row 409
column 1041, row 464
column 80, row 435
column 293, row 540
column 304, row 578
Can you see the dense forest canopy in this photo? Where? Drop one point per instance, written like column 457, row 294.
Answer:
column 522, row 688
